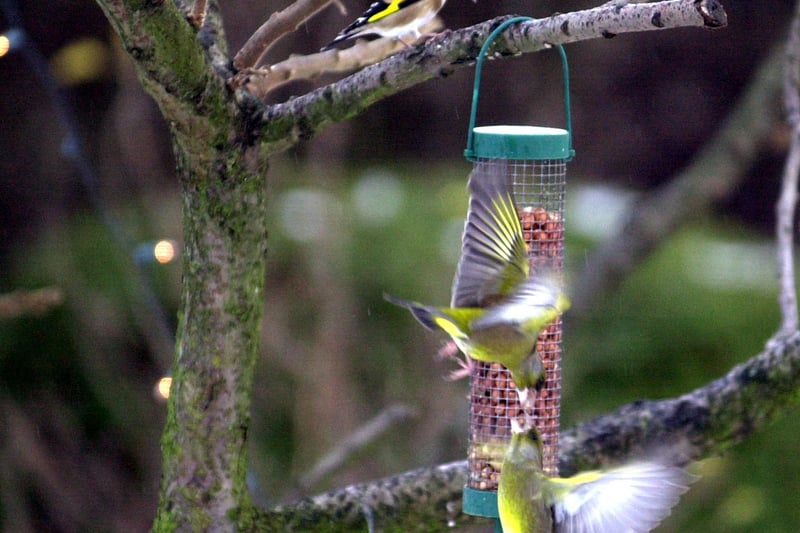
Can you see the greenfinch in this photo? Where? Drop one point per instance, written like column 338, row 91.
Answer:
column 633, row 498
column 498, row 307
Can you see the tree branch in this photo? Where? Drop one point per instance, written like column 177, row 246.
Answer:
column 34, row 302
column 170, row 62
column 785, row 209
column 281, row 125
column 298, row 67
column 279, row 24
column 197, row 15
column 785, row 212
column 355, row 441
column 699, row 424
column 425, row 500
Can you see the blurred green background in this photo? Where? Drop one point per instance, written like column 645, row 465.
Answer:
column 370, row 206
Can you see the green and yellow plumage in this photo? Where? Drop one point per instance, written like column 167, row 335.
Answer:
column 498, row 308
column 632, row 498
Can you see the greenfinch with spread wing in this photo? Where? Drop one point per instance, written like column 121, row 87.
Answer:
column 632, row 498
column 498, row 307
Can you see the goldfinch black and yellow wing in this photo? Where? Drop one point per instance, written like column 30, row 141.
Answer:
column 494, row 257
column 391, row 18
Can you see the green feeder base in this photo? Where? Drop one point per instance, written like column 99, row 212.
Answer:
column 482, row 503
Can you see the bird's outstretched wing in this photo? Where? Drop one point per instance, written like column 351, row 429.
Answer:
column 633, row 498
column 380, row 9
column 493, row 251
column 534, row 303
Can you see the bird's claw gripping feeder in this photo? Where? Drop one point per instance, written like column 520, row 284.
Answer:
column 535, row 157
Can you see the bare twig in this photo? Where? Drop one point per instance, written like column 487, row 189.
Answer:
column 34, row 302
column 355, row 442
column 198, row 13
column 714, row 173
column 279, row 24
column 785, row 235
column 297, row 67
column 785, row 210
column 340, row 6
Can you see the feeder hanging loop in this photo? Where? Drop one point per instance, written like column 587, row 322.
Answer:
column 469, row 152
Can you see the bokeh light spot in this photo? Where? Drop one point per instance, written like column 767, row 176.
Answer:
column 743, row 507
column 378, row 197
column 308, row 215
column 164, row 251
column 82, row 61
column 5, row 45
column 163, row 387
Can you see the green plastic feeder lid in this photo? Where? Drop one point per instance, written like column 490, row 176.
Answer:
column 520, row 142
column 517, row 142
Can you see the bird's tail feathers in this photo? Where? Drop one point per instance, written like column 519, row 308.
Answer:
column 334, row 42
column 424, row 314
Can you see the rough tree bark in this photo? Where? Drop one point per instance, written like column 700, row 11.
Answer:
column 223, row 140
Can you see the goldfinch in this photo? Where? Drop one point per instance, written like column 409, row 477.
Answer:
column 497, row 308
column 633, row 498
column 392, row 18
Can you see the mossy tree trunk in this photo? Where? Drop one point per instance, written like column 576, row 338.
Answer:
column 223, row 195
column 222, row 301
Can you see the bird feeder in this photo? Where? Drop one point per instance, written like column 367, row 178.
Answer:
column 535, row 158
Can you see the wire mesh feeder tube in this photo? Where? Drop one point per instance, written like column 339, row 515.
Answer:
column 535, row 158
column 539, row 193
